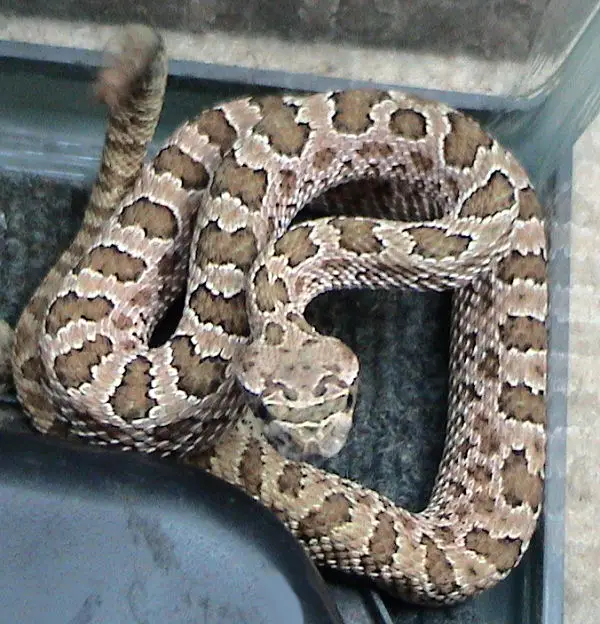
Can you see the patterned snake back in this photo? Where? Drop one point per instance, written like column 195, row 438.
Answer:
column 417, row 196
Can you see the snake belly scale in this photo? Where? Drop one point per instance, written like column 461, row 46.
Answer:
column 416, row 195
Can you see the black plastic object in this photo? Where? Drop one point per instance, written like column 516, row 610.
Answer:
column 96, row 536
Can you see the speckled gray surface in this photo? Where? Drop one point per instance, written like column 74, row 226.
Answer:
column 38, row 217
column 499, row 27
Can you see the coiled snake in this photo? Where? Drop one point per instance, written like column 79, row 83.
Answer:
column 416, row 195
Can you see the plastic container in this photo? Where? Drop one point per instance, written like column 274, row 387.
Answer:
column 49, row 129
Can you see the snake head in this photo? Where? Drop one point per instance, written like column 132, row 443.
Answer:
column 305, row 390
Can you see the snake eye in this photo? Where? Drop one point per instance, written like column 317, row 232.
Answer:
column 263, row 413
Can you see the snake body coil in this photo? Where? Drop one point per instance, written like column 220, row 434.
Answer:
column 417, row 196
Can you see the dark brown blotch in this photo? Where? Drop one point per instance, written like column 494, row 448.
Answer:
column 268, row 294
column 375, row 150
column 489, row 439
column 334, row 511
column 382, row 545
column 504, row 553
column 495, row 196
column 175, row 430
column 529, row 205
column 156, row 220
column 296, row 245
column 274, row 334
column 58, row 428
column 444, row 534
column 241, row 181
column 467, row 342
column 523, row 333
column 130, row 400
column 328, row 381
column 287, row 182
column 520, row 402
column 273, row 387
column 440, row 570
column 38, row 304
column 111, row 260
column 517, row 266
column 143, row 297
column 192, row 173
column 433, row 242
column 481, row 296
column 250, row 467
column 482, row 501
column 75, row 367
column 464, row 139
column 226, row 312
column 520, row 485
column 32, row 369
column 353, row 108
column 197, row 376
column 424, row 164
column 169, row 264
column 215, row 126
column 71, row 307
column 467, row 392
column 461, row 451
column 199, row 457
column 220, row 247
column 489, row 364
column 481, row 475
column 122, row 321
column 358, row 236
column 323, row 158
column 456, row 490
column 286, row 135
column 408, row 124
column 290, row 480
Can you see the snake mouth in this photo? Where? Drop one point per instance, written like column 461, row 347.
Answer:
column 309, row 441
column 307, row 432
